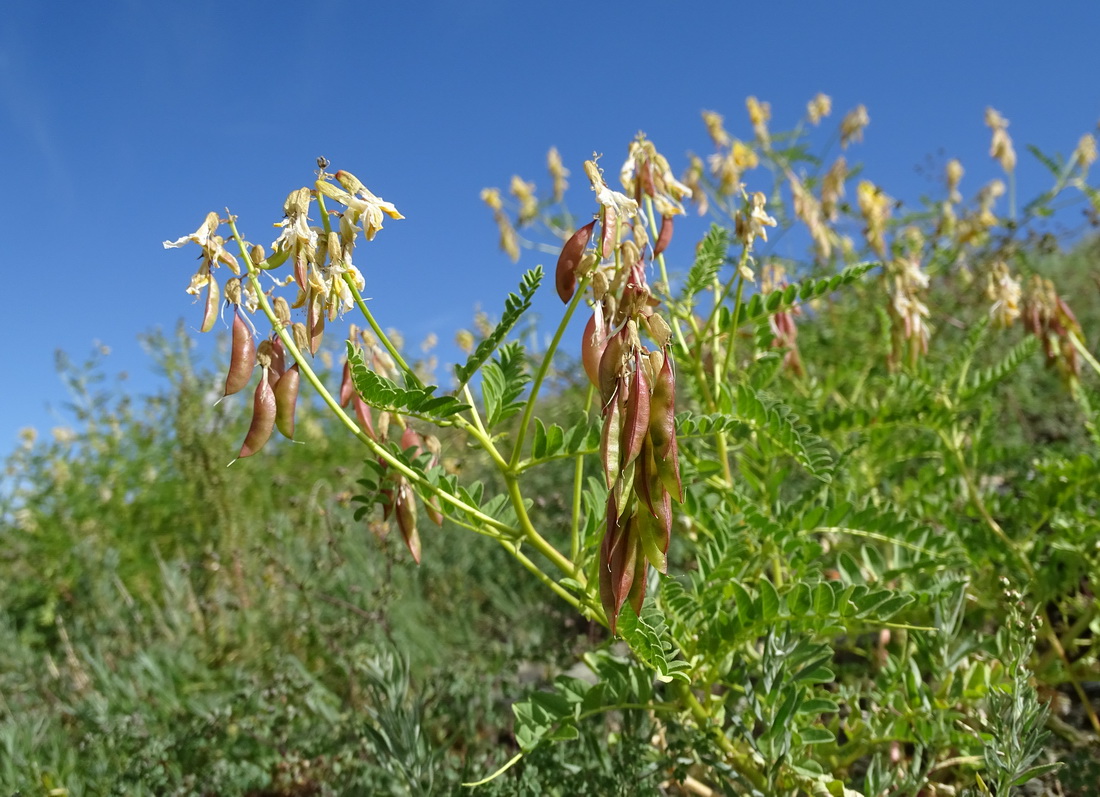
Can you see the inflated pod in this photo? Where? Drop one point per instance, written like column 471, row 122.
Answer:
column 263, row 419
column 286, row 399
column 242, row 357
column 664, row 236
column 565, row 275
column 213, row 302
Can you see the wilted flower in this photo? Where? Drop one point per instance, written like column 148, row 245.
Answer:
column 528, row 202
column 363, row 207
column 875, row 206
column 625, row 207
column 818, row 108
column 909, row 282
column 760, row 113
column 1085, row 154
column 715, row 130
column 1000, row 147
column 851, row 127
column 1005, row 293
column 693, row 179
column 832, row 187
column 558, row 173
column 954, row 172
column 646, row 172
column 491, row 197
column 756, row 222
column 728, row 168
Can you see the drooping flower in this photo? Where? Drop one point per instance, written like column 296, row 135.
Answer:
column 851, row 127
column 1000, row 148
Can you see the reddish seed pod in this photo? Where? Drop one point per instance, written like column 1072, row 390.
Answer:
column 611, row 363
column 565, row 276
column 277, row 354
column 362, row 414
column 263, row 419
column 243, row 357
column 636, row 423
column 286, row 399
column 347, row 389
column 664, row 237
column 610, row 436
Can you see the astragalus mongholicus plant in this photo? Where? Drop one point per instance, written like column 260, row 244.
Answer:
column 785, row 484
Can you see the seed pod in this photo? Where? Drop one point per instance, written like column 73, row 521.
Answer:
column 610, row 438
column 347, row 388
column 662, row 430
column 406, row 519
column 611, row 365
column 286, row 398
column 592, row 347
column 636, row 422
column 263, row 419
column 243, row 356
column 213, row 302
column 618, row 565
column 362, row 413
column 664, row 237
column 565, row 276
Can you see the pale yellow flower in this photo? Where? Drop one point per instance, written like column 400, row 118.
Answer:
column 1000, row 147
column 715, row 130
column 1005, row 292
column 363, row 207
column 756, row 223
column 528, row 202
column 624, row 206
column 1085, row 154
column 760, row 113
column 558, row 173
column 875, row 205
column 213, row 245
column 818, row 108
column 954, row 172
column 851, row 127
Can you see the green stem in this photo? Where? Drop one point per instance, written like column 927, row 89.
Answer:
column 540, row 375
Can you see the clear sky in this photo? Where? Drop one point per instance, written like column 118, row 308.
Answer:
column 123, row 123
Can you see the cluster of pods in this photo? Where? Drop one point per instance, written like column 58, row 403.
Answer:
column 276, row 394
column 637, row 386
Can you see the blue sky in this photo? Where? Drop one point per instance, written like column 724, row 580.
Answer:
column 123, row 123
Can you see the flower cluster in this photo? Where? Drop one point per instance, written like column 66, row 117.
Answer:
column 327, row 280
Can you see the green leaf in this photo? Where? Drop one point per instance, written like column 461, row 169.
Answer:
column 503, row 382
column 816, row 735
column 709, row 258
column 383, row 394
column 646, row 643
column 819, row 705
column 769, row 600
column 514, row 308
column 757, row 307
